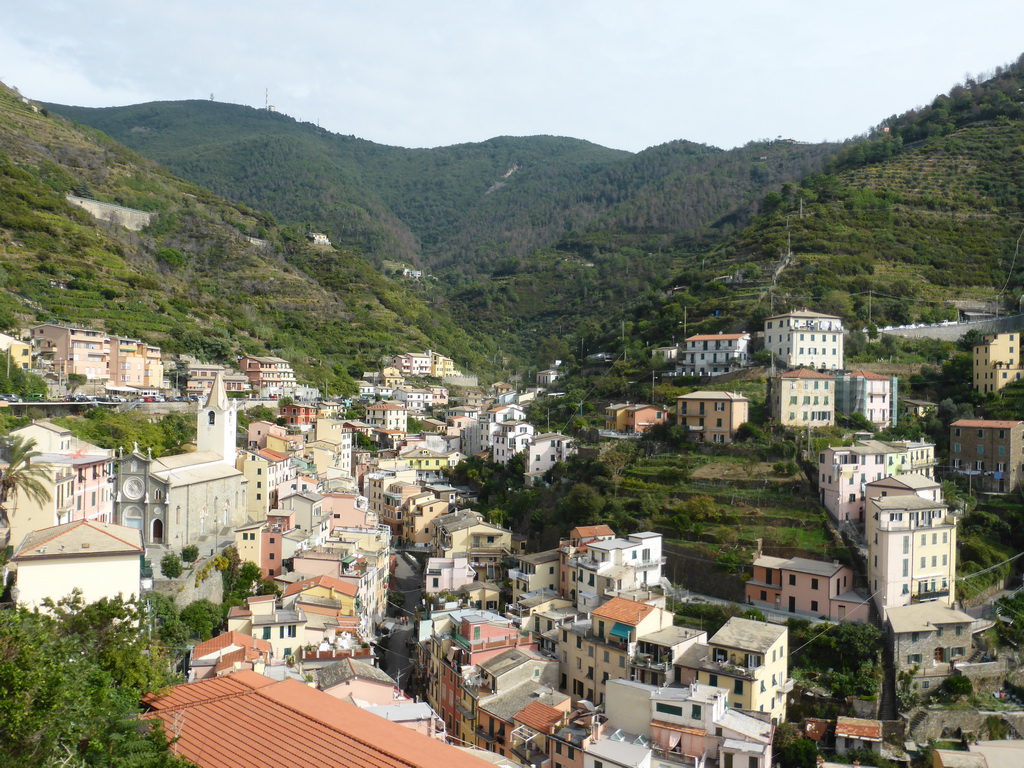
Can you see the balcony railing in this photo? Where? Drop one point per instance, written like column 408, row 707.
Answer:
column 931, row 594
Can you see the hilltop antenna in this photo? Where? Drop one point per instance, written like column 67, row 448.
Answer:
column 266, row 98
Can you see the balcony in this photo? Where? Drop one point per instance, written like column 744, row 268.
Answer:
column 785, row 687
column 483, row 643
column 727, row 668
column 646, row 661
column 934, row 594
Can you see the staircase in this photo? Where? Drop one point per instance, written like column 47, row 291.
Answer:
column 915, row 721
column 887, row 709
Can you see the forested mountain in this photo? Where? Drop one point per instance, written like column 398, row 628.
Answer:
column 206, row 277
column 470, row 206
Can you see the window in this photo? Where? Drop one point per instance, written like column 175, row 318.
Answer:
column 670, row 709
column 266, row 633
column 814, row 605
column 792, row 579
column 737, row 687
column 713, row 681
column 814, row 583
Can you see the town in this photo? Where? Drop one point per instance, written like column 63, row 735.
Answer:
column 312, row 553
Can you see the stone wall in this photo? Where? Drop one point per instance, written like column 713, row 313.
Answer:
column 129, row 218
column 461, row 381
column 184, row 590
column 927, row 724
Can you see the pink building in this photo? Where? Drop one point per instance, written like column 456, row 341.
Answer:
column 259, row 430
column 412, row 363
column 809, row 587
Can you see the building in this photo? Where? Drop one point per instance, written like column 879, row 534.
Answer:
column 77, row 477
column 96, row 355
column 226, row 653
column 189, row 498
column 911, row 551
column 712, row 417
column 747, row 658
column 465, row 533
column 388, row 416
column 810, row 587
column 871, row 395
column 854, row 734
column 511, row 439
column 802, row 398
column 447, row 574
column 19, row 351
column 298, row 415
column 714, row 354
column 569, row 549
column 613, row 565
column 269, row 376
column 269, row 476
column 632, row 419
column 547, row 377
column 1003, row 753
column 598, row 649
column 545, row 451
column 996, row 362
column 201, row 377
column 412, row 363
column 328, row 731
column 688, row 726
column 988, row 452
column 100, row 559
column 534, row 572
column 805, row 338
column 845, row 471
column 930, row 639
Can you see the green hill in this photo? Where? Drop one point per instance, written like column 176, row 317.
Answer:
column 468, row 207
column 206, row 277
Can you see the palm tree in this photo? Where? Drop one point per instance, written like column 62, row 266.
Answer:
column 21, row 476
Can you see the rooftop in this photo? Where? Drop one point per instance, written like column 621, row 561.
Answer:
column 859, row 728
column 623, row 611
column 924, row 617
column 321, row 729
column 748, row 635
column 986, row 424
column 82, row 538
column 349, row 669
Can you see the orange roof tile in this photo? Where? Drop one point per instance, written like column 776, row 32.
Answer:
column 322, row 581
column 804, row 373
column 623, row 611
column 870, row 375
column 718, row 336
column 228, row 639
column 586, row 531
column 539, row 716
column 239, row 719
column 858, row 728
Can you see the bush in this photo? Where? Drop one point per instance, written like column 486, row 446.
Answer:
column 170, row 565
column 190, row 553
column 956, row 686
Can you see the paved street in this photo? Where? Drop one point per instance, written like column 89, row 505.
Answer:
column 397, row 663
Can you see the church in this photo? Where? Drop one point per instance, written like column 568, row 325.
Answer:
column 191, row 498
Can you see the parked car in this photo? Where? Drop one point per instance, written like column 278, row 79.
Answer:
column 10, row 398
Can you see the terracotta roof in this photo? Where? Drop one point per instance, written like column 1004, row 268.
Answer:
column 228, row 639
column 986, row 424
column 80, row 539
column 322, row 581
column 623, row 611
column 858, row 728
column 586, row 531
column 814, row 728
column 239, row 719
column 804, row 373
column 539, row 716
column 870, row 375
column 267, row 453
column 718, row 336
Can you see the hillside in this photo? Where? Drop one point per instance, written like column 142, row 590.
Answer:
column 206, row 277
column 469, row 207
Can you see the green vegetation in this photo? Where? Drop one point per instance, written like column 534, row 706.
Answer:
column 841, row 658
column 113, row 429
column 73, row 682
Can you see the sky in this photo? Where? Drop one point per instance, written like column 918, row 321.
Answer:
column 626, row 74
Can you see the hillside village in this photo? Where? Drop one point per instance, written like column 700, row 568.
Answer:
column 380, row 574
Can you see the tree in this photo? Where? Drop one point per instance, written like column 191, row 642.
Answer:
column 202, row 618
column 190, row 553
column 21, row 476
column 170, row 565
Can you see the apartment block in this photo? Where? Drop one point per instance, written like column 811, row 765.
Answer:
column 802, row 398
column 811, row 588
column 806, row 338
column 749, row 659
column 714, row 354
column 871, row 395
column 268, row 375
column 989, row 452
column 712, row 417
column 845, row 471
column 123, row 362
column 996, row 362
column 605, row 568
column 911, row 551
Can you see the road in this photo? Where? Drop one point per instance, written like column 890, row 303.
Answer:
column 408, row 581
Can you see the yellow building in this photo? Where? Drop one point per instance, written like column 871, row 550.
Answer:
column 441, row 366
column 749, row 659
column 712, row 417
column 465, row 533
column 803, row 398
column 535, row 572
column 996, row 362
column 19, row 351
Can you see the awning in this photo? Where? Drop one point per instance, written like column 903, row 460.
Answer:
column 621, row 630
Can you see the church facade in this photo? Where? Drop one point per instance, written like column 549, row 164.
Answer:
column 189, row 498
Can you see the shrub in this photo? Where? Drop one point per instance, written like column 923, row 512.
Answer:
column 956, row 686
column 190, row 553
column 170, row 565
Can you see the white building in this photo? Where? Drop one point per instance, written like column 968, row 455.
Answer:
column 614, row 565
column 511, row 438
column 714, row 354
column 805, row 338
column 100, row 559
column 546, row 450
